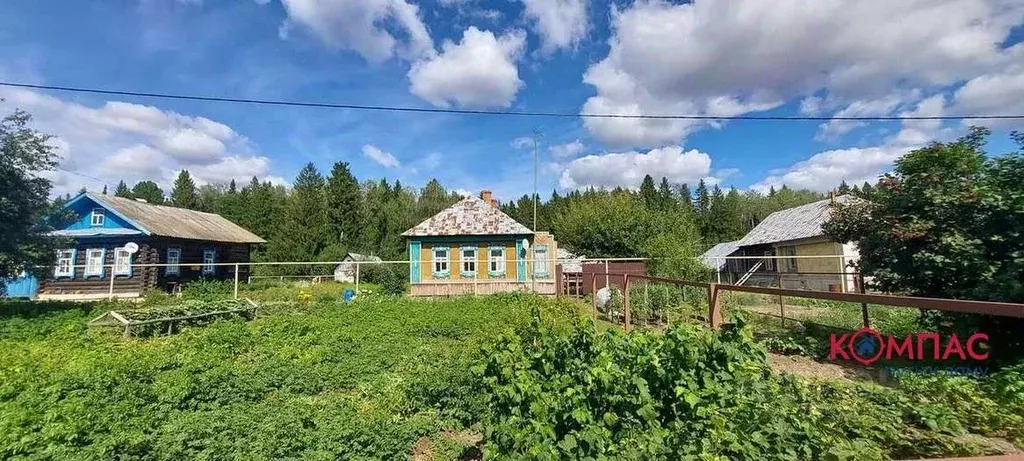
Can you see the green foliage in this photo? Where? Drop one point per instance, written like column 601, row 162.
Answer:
column 304, row 232
column 122, row 190
column 692, row 394
column 344, row 207
column 25, row 154
column 148, row 191
column 184, row 193
column 324, row 381
column 948, row 223
column 391, row 279
column 208, row 290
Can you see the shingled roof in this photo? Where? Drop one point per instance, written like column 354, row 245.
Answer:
column 792, row 223
column 174, row 222
column 469, row 216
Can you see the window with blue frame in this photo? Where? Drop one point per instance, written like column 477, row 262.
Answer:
column 97, row 218
column 468, row 259
column 173, row 261
column 541, row 262
column 440, row 262
column 65, row 264
column 94, row 262
column 496, row 261
column 122, row 262
column 209, row 258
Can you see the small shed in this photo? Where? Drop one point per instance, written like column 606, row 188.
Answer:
column 346, row 271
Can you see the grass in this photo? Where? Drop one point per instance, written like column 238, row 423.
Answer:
column 317, row 379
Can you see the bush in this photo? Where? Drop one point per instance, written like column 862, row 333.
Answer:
column 689, row 394
column 387, row 277
column 208, row 290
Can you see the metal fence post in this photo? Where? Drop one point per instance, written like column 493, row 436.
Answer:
column 593, row 292
column 782, row 304
column 625, row 302
column 607, row 281
column 714, row 310
column 718, row 270
column 357, row 276
column 863, row 306
column 236, row 280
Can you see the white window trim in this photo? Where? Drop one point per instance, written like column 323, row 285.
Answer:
column 491, row 259
column 175, row 267
column 769, row 261
column 208, row 267
column 97, row 269
column 122, row 267
column 97, row 213
column 435, row 261
column 70, row 259
column 463, row 261
column 541, row 262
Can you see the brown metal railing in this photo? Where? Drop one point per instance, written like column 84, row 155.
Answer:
column 714, row 316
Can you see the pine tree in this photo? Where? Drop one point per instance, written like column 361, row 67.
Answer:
column 665, row 199
column 648, row 195
column 686, row 199
column 344, row 208
column 184, row 194
column 843, row 188
column 148, row 191
column 104, row 190
column 433, row 198
column 122, row 190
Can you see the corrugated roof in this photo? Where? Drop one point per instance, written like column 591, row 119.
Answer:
column 721, row 250
column 469, row 216
column 94, row 232
column 792, row 224
column 361, row 257
column 174, row 222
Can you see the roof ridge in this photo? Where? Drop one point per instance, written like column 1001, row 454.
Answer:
column 160, row 205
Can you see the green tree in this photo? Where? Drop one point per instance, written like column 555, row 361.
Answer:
column 148, row 191
column 304, row 232
column 648, row 194
column 686, row 199
column 843, row 188
column 184, row 194
column 25, row 154
column 432, row 199
column 208, row 198
column 666, row 201
column 104, row 190
column 947, row 222
column 122, row 190
column 344, row 208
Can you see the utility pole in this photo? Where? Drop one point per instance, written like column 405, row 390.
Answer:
column 536, row 197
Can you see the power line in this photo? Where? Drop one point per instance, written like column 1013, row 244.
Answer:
column 82, row 175
column 269, row 102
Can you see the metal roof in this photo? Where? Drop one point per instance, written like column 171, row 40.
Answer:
column 793, row 223
column 361, row 258
column 721, row 250
column 469, row 216
column 167, row 221
column 94, row 232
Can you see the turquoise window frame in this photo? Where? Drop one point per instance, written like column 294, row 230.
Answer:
column 176, row 268
column 547, row 263
column 462, row 261
column 103, row 259
column 57, row 274
column 434, row 260
column 504, row 261
column 126, row 273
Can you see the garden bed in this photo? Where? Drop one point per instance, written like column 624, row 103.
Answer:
column 151, row 320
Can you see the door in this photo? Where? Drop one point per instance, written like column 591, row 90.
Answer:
column 25, row 286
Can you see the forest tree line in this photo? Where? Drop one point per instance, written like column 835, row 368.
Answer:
column 324, row 217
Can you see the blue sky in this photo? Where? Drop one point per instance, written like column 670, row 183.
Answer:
column 959, row 57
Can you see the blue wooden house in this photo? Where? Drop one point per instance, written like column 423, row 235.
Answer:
column 113, row 240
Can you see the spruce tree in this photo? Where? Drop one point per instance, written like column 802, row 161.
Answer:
column 122, row 190
column 304, row 232
column 665, row 199
column 686, row 198
column 344, row 207
column 648, row 195
column 184, row 194
column 104, row 190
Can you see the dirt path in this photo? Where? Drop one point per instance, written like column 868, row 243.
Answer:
column 807, row 367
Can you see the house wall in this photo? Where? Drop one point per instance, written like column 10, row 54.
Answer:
column 151, row 251
column 819, row 264
column 518, row 266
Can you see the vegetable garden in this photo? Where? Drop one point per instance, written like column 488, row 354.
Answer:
column 506, row 377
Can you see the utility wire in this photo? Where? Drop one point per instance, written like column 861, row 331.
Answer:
column 82, row 175
column 270, row 102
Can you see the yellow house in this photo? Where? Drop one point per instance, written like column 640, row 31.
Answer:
column 796, row 232
column 472, row 247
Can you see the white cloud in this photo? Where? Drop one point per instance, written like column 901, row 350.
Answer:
column 522, row 142
column 749, row 55
column 480, row 71
column 568, row 150
column 463, row 192
column 382, row 158
column 825, row 170
column 376, row 29
column 134, row 142
column 628, row 169
column 559, row 23
column 999, row 93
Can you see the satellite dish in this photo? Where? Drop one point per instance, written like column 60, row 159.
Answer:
column 132, row 247
column 526, row 244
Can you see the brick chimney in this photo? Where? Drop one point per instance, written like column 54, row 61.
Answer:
column 488, row 197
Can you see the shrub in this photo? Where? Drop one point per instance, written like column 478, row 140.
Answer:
column 208, row 290
column 387, row 277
